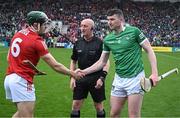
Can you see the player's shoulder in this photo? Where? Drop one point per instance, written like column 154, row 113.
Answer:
column 29, row 34
column 127, row 26
column 131, row 28
column 24, row 31
column 109, row 35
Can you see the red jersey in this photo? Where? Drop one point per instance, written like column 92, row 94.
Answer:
column 25, row 45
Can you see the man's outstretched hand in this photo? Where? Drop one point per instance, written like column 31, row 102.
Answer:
column 77, row 74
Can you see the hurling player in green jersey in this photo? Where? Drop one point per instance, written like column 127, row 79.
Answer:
column 125, row 43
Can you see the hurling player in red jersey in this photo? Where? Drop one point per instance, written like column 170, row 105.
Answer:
column 28, row 44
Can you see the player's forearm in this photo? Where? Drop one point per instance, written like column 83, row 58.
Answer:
column 58, row 67
column 153, row 62
column 73, row 65
column 95, row 67
column 98, row 65
column 62, row 69
column 7, row 55
column 151, row 56
column 106, row 67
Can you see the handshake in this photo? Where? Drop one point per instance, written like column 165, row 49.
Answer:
column 77, row 74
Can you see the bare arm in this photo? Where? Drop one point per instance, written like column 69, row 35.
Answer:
column 73, row 65
column 8, row 54
column 58, row 67
column 98, row 65
column 101, row 79
column 106, row 67
column 152, row 59
column 72, row 68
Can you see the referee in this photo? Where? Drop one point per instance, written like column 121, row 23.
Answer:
column 86, row 51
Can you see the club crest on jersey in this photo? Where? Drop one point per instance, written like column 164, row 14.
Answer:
column 79, row 51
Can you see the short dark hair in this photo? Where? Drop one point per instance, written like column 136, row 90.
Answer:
column 117, row 12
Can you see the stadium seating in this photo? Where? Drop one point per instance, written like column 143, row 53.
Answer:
column 159, row 21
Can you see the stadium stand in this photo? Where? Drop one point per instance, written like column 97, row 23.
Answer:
column 159, row 20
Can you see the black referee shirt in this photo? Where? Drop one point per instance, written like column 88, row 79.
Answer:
column 87, row 52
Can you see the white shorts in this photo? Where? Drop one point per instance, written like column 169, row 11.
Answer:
column 123, row 87
column 18, row 89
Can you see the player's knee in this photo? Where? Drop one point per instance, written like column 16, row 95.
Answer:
column 16, row 115
column 101, row 114
column 114, row 114
column 98, row 106
column 75, row 114
column 25, row 109
column 134, row 113
column 25, row 113
column 76, row 106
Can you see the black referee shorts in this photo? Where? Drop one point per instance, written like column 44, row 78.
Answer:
column 86, row 85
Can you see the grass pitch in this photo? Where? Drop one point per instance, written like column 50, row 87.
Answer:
column 54, row 97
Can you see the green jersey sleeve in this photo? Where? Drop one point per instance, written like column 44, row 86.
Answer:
column 105, row 48
column 140, row 36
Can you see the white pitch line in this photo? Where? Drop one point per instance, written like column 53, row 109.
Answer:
column 1, row 52
column 169, row 57
column 172, row 57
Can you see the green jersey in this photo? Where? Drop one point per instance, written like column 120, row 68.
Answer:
column 127, row 51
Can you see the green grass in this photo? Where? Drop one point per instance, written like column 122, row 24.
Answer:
column 54, row 96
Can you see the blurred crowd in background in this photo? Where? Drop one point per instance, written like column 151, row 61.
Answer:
column 159, row 20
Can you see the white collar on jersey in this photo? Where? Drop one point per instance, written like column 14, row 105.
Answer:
column 123, row 28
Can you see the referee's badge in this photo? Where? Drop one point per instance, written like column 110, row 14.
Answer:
column 79, row 50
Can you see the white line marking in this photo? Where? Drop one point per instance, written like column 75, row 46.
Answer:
column 172, row 57
column 1, row 52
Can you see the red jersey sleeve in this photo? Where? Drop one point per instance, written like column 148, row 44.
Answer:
column 41, row 47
